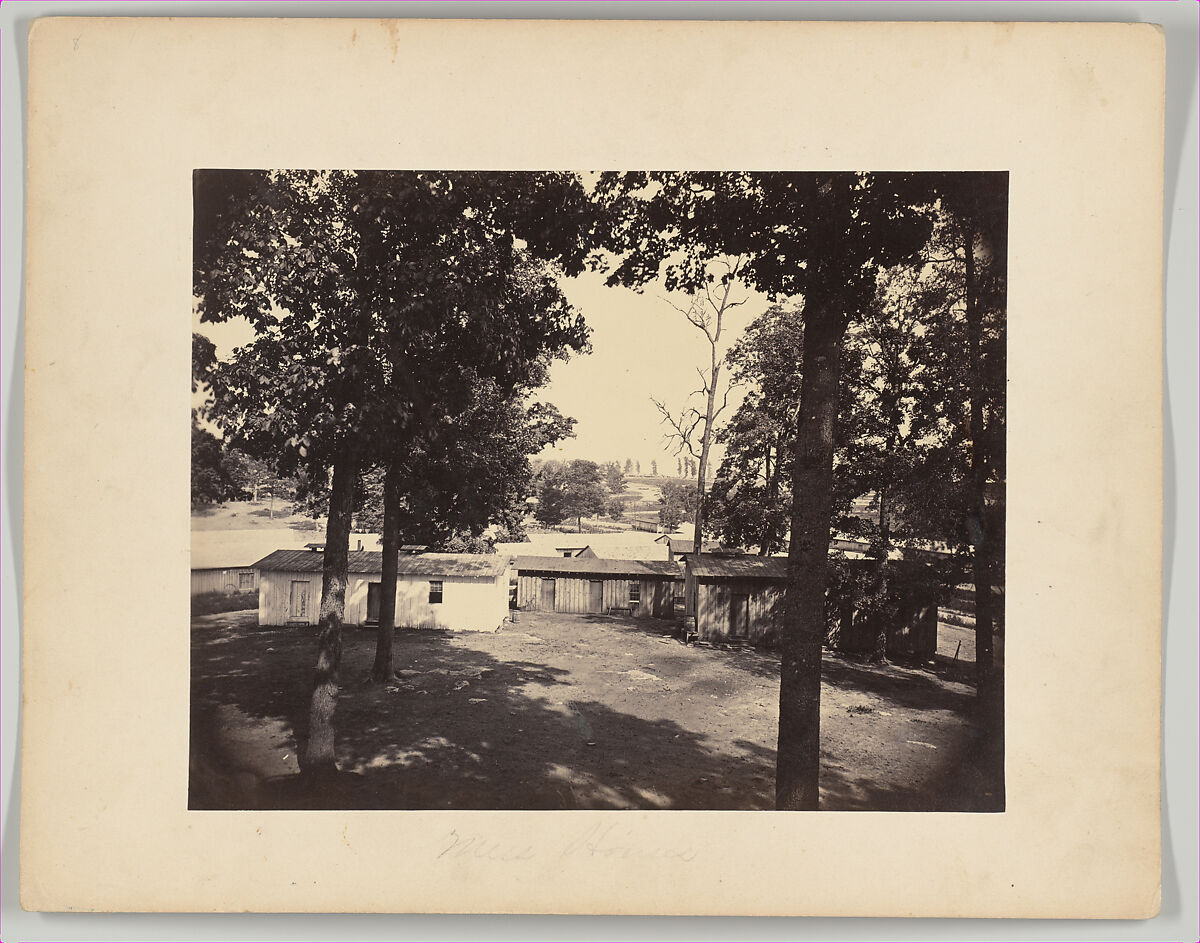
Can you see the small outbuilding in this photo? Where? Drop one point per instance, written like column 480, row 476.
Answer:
column 737, row 596
column 742, row 597
column 595, row 584
column 680, row 548
column 224, row 579
column 459, row 591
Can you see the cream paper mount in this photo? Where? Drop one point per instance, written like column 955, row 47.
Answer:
column 122, row 110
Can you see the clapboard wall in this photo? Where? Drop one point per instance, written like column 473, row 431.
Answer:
column 573, row 594
column 714, row 608
column 224, row 580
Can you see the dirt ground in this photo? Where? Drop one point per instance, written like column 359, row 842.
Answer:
column 563, row 712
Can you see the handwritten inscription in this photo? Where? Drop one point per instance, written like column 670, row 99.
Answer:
column 475, row 846
column 596, row 841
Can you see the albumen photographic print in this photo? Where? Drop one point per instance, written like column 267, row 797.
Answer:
column 417, row 582
column 593, row 467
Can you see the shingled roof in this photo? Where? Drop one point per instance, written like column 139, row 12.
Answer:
column 600, row 566
column 482, row 565
column 744, row 566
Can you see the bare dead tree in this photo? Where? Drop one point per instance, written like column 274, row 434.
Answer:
column 691, row 430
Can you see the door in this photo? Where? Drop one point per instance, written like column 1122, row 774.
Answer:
column 547, row 601
column 373, row 590
column 595, row 596
column 298, row 601
column 739, row 612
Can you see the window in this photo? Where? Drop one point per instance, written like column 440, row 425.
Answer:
column 246, row 580
column 635, row 591
column 566, row 553
column 435, row 591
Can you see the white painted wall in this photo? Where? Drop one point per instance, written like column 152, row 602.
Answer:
column 469, row 604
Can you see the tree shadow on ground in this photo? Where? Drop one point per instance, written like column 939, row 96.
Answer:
column 905, row 687
column 758, row 661
column 959, row 783
column 459, row 729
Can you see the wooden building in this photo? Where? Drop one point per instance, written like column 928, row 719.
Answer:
column 680, row 548
column 594, row 584
column 736, row 597
column 227, row 580
column 742, row 597
column 460, row 591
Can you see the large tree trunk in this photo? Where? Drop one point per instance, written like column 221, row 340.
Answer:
column 978, row 508
column 382, row 669
column 798, row 762
column 319, row 756
column 882, row 589
column 987, row 535
column 766, row 541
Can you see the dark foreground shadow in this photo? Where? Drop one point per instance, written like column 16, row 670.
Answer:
column 460, row 729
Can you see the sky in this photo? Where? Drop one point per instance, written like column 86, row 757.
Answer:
column 642, row 347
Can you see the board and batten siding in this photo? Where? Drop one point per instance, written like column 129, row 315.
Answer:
column 573, row 594
column 469, row 604
column 714, row 608
column 224, row 580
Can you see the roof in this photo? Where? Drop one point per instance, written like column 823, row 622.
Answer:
column 238, row 548
column 744, row 566
column 686, row 544
column 480, row 565
column 601, row 566
column 615, row 545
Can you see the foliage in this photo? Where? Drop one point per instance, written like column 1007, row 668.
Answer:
column 616, row 509
column 377, row 300
column 473, row 473
column 614, row 478
column 384, row 304
column 676, row 503
column 749, row 503
column 568, row 490
column 212, row 480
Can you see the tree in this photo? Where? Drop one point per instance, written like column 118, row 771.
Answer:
column 212, row 482
column 628, row 466
column 570, row 490
column 344, row 275
column 693, row 428
column 676, row 501
column 616, row 509
column 614, row 479
column 653, row 468
column 749, row 502
column 820, row 236
column 638, row 466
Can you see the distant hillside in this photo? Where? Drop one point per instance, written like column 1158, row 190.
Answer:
column 246, row 515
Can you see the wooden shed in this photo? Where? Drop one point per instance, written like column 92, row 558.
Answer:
column 737, row 597
column 228, row 580
column 594, row 584
column 459, row 591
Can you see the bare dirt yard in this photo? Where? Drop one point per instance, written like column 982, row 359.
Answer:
column 563, row 712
